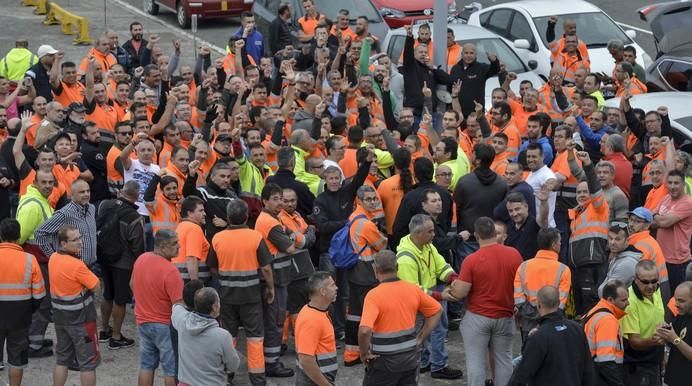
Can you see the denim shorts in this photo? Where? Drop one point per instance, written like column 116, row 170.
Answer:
column 155, row 347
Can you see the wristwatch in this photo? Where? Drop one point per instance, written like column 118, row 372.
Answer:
column 676, row 341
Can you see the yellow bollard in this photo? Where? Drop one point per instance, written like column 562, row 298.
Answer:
column 70, row 23
column 41, row 7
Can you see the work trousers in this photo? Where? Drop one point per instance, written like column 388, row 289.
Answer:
column 249, row 316
column 41, row 317
column 274, row 316
column 356, row 297
column 585, row 282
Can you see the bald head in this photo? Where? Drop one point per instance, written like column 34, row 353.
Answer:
column 548, row 299
column 570, row 27
column 81, row 192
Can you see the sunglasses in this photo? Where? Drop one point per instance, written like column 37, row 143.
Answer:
column 648, row 282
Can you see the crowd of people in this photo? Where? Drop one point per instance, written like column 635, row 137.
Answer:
column 316, row 194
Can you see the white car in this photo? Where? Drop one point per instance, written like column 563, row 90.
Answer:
column 484, row 41
column 524, row 24
column 678, row 104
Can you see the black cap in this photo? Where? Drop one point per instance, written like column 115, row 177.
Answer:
column 77, row 107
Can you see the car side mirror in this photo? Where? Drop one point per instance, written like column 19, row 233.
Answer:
column 522, row 44
column 631, row 33
column 533, row 64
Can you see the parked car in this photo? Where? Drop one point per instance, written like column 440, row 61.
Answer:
column 207, row 9
column 484, row 41
column 266, row 10
column 398, row 13
column 678, row 111
column 671, row 26
column 524, row 23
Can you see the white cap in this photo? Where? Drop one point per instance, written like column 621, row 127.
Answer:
column 46, row 50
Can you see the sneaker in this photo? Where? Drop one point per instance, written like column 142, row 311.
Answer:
column 425, row 369
column 447, row 373
column 105, row 336
column 453, row 324
column 47, row 343
column 43, row 352
column 115, row 344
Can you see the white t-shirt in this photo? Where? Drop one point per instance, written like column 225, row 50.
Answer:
column 536, row 180
column 142, row 174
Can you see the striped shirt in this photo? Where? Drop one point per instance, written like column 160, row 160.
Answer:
column 83, row 217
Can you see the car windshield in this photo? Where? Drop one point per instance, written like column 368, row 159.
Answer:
column 500, row 48
column 330, row 8
column 593, row 28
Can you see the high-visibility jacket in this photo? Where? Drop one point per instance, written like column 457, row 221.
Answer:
column 550, row 106
column 376, row 109
column 193, row 243
column 513, row 136
column 15, row 64
column 391, row 194
column 163, row 213
column 603, row 333
column 32, row 211
column 238, row 263
column 21, row 285
column 521, row 118
column 453, row 56
column 66, row 174
column 390, row 310
column 281, row 266
column 179, row 176
column 295, row 224
column 252, row 179
column 367, row 239
column 58, row 189
column 106, row 60
column 308, row 24
column 567, row 65
column 71, row 286
column 661, row 156
column 635, row 87
column 104, row 116
column 500, row 163
column 466, row 143
column 558, row 45
column 655, row 196
column 314, row 336
column 344, row 32
column 113, row 174
column 229, row 63
column 422, row 267
column 589, row 225
column 70, row 93
column 650, row 250
column 567, row 194
column 533, row 274
column 301, row 264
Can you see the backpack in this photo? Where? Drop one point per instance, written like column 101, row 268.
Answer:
column 109, row 246
column 341, row 250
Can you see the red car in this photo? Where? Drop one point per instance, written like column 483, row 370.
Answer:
column 205, row 9
column 398, row 13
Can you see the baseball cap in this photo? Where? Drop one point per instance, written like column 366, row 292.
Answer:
column 223, row 137
column 46, row 50
column 643, row 214
column 77, row 107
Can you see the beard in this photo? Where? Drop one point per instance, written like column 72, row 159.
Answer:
column 137, row 37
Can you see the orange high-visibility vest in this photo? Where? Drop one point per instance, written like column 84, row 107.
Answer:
column 650, row 250
column 164, row 213
column 536, row 273
column 603, row 333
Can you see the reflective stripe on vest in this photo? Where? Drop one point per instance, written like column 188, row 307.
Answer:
column 167, row 224
column 532, row 295
column 33, row 199
column 71, row 303
column 328, row 363
column 25, row 285
column 239, row 279
column 202, row 271
column 393, row 342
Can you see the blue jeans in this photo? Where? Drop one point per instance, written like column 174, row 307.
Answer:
column 463, row 249
column 156, row 347
column 434, row 351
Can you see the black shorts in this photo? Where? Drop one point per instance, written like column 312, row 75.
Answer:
column 116, row 284
column 298, row 296
column 17, row 341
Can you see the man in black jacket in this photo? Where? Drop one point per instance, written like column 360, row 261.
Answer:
column 222, row 187
column 411, row 204
column 330, row 213
column 473, row 75
column 284, row 177
column 280, row 34
column 556, row 350
column 137, row 48
column 419, row 71
column 95, row 159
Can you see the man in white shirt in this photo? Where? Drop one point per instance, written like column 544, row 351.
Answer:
column 141, row 169
column 539, row 176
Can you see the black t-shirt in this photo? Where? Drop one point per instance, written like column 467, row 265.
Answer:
column 679, row 368
column 524, row 239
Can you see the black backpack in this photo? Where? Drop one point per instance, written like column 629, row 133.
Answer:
column 109, row 246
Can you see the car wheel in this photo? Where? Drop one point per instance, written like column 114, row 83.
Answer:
column 151, row 7
column 183, row 17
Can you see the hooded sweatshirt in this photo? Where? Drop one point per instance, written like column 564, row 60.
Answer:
column 476, row 195
column 205, row 350
column 14, row 65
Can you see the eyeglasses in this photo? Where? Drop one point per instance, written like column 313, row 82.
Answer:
column 648, row 282
column 446, row 175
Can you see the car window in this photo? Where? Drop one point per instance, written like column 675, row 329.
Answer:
column 396, row 46
column 330, row 8
column 679, row 76
column 520, row 29
column 499, row 21
column 501, row 49
column 595, row 29
column 683, row 137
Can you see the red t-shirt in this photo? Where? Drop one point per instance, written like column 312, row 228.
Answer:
column 156, row 286
column 675, row 240
column 491, row 270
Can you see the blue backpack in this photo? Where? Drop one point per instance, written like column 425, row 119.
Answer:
column 341, row 250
